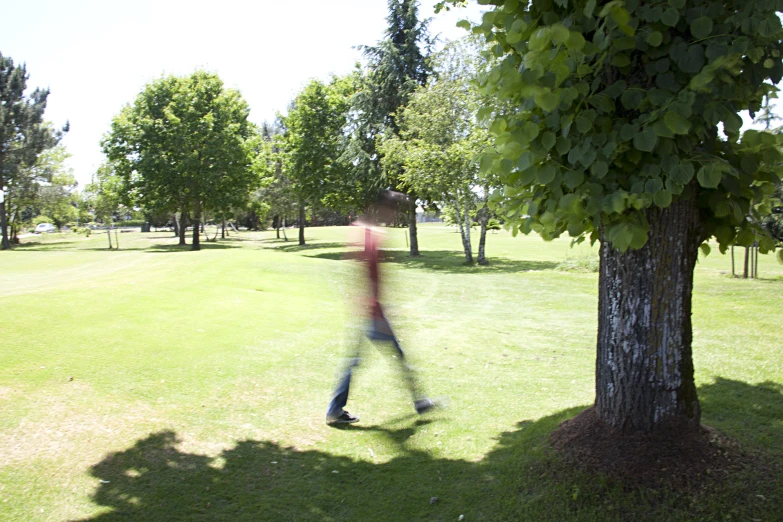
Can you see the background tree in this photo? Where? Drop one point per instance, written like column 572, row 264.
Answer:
column 615, row 136
column 313, row 142
column 440, row 139
column 23, row 133
column 56, row 195
column 106, row 194
column 184, row 145
column 396, row 67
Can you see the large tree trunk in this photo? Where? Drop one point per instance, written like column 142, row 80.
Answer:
column 5, row 244
column 301, row 223
column 196, row 227
column 412, row 227
column 176, row 225
column 644, row 364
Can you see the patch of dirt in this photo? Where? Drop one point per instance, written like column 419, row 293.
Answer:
column 668, row 458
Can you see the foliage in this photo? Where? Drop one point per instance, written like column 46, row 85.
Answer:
column 106, row 194
column 185, row 144
column 617, row 110
column 37, row 220
column 440, row 139
column 312, row 142
column 23, row 136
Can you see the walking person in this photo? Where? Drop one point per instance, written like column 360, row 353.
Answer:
column 378, row 328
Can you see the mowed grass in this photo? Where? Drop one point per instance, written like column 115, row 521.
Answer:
column 155, row 383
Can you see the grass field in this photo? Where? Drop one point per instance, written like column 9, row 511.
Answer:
column 155, row 383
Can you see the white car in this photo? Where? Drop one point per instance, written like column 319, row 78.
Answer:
column 44, row 227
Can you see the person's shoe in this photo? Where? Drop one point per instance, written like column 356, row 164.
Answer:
column 423, row 405
column 344, row 418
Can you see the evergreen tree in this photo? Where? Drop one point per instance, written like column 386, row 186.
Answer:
column 397, row 66
column 23, row 133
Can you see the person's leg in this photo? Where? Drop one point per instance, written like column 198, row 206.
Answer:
column 340, row 398
column 382, row 333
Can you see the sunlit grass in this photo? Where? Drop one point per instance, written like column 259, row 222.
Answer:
column 203, row 368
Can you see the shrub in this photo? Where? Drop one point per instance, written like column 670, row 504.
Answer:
column 37, row 220
column 578, row 264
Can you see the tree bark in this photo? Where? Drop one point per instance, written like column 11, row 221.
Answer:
column 483, row 217
column 756, row 262
column 733, row 274
column 5, row 244
column 196, row 227
column 301, row 223
column 183, row 227
column 223, row 233
column 176, row 225
column 414, row 249
column 745, row 267
column 644, row 363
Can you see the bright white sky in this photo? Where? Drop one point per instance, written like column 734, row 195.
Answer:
column 97, row 55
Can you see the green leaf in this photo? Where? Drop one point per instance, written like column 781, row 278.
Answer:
column 621, row 60
column 655, row 38
column 547, row 100
column 563, row 145
column 746, row 237
column 709, row 176
column 589, row 8
column 632, row 98
column 677, row 122
column 576, row 41
column 662, row 198
column 599, row 169
column 573, row 179
column 645, row 140
column 701, row 27
column 548, row 140
column 584, row 124
column 670, row 17
column 529, row 131
column 545, row 174
column 539, row 40
column 705, row 248
column 464, row 24
column 559, row 33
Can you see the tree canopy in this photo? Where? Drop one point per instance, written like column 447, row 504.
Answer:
column 23, row 132
column 185, row 144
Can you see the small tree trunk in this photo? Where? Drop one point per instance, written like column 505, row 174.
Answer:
column 745, row 266
column 196, row 227
column 223, row 233
column 108, row 233
column 733, row 274
column 5, row 244
column 284, row 234
column 176, row 225
column 483, row 216
column 414, row 249
column 644, row 364
column 301, row 223
column 183, row 227
column 464, row 223
column 756, row 263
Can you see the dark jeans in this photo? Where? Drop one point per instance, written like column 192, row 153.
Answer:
column 381, row 333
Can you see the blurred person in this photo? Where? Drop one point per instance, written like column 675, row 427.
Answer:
column 378, row 329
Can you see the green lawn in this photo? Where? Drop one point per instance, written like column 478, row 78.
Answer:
column 155, row 383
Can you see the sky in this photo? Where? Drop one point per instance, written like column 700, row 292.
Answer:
column 95, row 56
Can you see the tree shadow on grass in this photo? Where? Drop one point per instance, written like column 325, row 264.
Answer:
column 294, row 246
column 752, row 414
column 519, row 479
column 41, row 245
column 446, row 261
